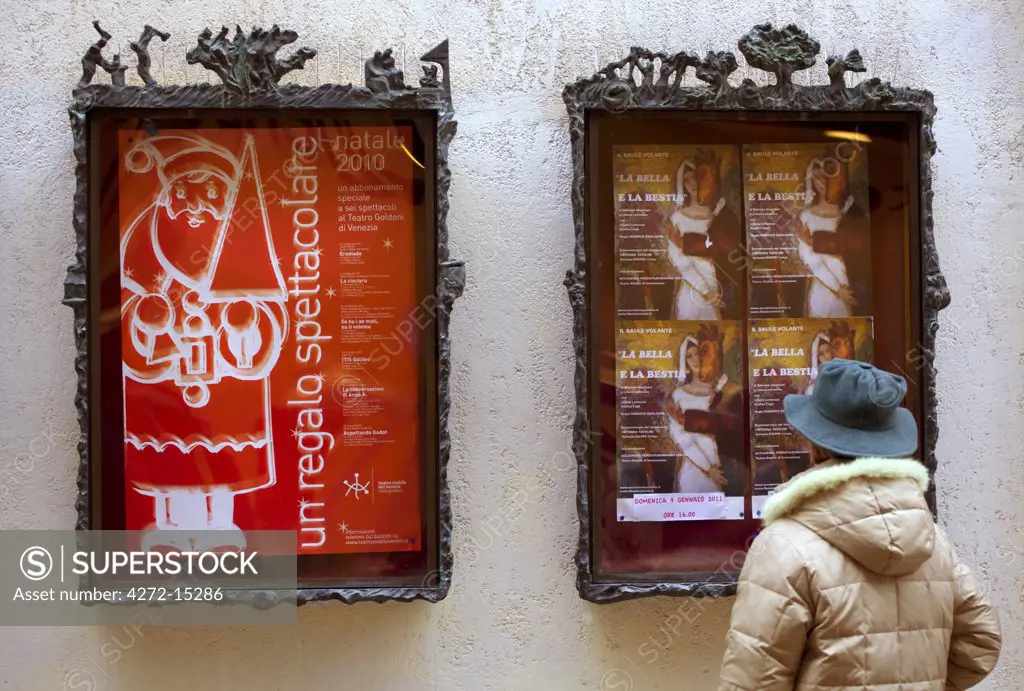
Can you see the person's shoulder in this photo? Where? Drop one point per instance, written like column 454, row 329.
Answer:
column 944, row 553
column 785, row 538
column 782, row 553
column 788, row 530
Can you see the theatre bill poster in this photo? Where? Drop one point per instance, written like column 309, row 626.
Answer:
column 784, row 358
column 808, row 230
column 679, row 343
column 680, row 420
column 678, row 232
column 264, row 276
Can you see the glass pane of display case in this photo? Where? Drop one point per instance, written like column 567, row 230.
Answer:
column 262, row 341
column 730, row 254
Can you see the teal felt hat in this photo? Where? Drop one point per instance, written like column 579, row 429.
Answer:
column 855, row 411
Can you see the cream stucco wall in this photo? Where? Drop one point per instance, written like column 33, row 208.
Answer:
column 513, row 620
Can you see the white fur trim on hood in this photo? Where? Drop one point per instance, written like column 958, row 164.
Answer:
column 829, row 476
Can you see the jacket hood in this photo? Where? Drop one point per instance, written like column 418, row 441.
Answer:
column 871, row 509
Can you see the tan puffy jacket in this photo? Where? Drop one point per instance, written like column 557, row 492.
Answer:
column 852, row 586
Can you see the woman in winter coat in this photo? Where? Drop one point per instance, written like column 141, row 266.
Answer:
column 851, row 585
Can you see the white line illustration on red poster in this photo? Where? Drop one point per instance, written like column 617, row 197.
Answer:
column 204, row 321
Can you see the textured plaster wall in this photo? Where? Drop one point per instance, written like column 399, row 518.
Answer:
column 513, row 620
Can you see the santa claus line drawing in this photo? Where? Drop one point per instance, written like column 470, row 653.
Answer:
column 201, row 331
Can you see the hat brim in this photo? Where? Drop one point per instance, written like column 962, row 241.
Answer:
column 899, row 440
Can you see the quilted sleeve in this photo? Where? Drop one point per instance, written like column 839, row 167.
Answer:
column 976, row 639
column 770, row 618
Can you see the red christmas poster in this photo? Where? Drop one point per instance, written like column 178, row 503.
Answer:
column 271, row 331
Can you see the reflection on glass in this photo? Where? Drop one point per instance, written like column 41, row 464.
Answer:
column 734, row 255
